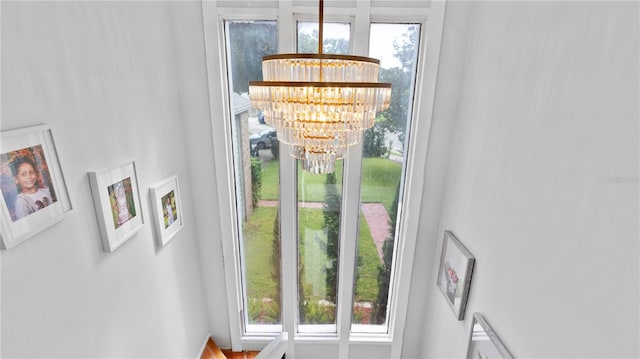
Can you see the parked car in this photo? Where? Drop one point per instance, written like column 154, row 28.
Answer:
column 264, row 139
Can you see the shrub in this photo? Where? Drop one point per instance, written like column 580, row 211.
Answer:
column 318, row 312
column 263, row 311
column 275, row 149
column 331, row 214
column 373, row 144
column 275, row 257
column 256, row 180
column 379, row 313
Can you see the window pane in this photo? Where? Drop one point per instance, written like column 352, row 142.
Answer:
column 335, row 37
column 396, row 45
column 319, row 202
column 255, row 150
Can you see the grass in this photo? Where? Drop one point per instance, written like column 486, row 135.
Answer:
column 380, row 177
column 367, row 269
column 258, row 247
column 270, row 180
column 312, row 239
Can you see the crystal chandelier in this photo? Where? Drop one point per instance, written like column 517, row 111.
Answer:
column 319, row 103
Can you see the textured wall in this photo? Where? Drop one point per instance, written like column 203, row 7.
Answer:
column 109, row 78
column 542, row 183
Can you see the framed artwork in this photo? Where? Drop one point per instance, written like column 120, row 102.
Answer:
column 34, row 192
column 167, row 210
column 117, row 201
column 454, row 276
column 483, row 341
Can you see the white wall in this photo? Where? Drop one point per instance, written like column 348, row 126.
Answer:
column 113, row 82
column 542, row 183
column 203, row 118
column 537, row 102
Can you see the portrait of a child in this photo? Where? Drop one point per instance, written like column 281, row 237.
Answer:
column 26, row 186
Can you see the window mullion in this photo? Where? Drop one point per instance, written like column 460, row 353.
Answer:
column 348, row 244
column 351, row 207
column 289, row 247
column 289, row 201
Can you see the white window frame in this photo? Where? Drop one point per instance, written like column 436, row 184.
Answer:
column 408, row 211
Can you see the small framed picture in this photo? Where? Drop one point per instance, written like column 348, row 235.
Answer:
column 165, row 198
column 117, row 201
column 483, row 341
column 34, row 192
column 454, row 277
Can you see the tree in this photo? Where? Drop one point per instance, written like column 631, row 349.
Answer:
column 248, row 43
column 331, row 214
column 373, row 144
column 405, row 50
column 396, row 115
column 379, row 314
column 308, row 44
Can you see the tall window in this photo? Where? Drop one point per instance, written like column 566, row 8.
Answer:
column 328, row 236
column 255, row 149
column 319, row 204
column 396, row 45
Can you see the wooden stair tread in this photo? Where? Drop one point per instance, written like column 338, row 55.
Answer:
column 239, row 355
column 211, row 351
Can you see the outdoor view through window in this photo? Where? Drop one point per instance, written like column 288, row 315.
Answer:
column 256, row 165
column 383, row 155
column 319, row 202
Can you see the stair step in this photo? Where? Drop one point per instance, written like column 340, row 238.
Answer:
column 211, row 351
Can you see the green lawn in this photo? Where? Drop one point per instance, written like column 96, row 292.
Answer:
column 367, row 270
column 380, row 177
column 258, row 247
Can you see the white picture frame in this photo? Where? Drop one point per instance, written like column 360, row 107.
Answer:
column 117, row 202
column 454, row 275
column 38, row 197
column 484, row 342
column 167, row 209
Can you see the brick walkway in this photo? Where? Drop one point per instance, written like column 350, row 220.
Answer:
column 378, row 221
column 374, row 213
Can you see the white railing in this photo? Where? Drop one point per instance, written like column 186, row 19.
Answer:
column 276, row 349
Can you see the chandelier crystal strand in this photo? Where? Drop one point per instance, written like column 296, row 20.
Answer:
column 319, row 103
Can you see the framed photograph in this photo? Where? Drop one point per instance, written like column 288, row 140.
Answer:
column 167, row 211
column 454, row 277
column 483, row 341
column 34, row 192
column 117, row 201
